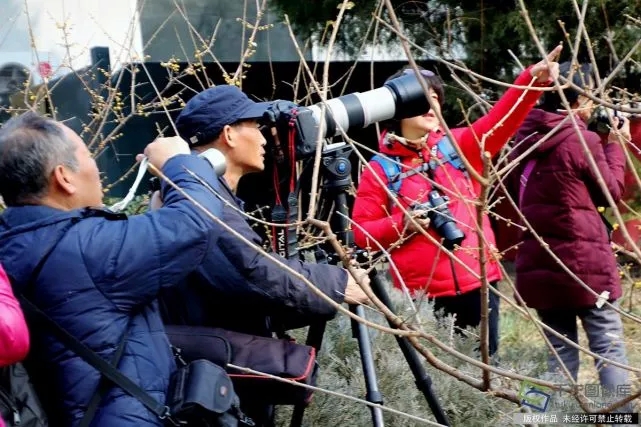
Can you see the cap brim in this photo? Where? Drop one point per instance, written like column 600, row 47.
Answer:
column 256, row 111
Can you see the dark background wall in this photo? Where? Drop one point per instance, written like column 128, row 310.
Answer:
column 264, row 81
column 166, row 33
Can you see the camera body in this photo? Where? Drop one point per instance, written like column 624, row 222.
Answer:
column 601, row 116
column 441, row 219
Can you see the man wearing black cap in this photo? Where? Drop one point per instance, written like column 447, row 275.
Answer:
column 237, row 288
column 223, row 117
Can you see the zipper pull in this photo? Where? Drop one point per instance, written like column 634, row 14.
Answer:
column 16, row 418
column 178, row 356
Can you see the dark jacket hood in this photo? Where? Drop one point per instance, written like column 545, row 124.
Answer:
column 537, row 125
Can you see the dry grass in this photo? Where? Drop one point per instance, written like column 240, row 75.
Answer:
column 522, row 350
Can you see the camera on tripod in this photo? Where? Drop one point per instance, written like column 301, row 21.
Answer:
column 399, row 98
column 302, row 128
column 441, row 219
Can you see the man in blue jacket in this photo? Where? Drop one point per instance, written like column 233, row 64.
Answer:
column 236, row 287
column 103, row 276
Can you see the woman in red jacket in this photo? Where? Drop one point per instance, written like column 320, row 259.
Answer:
column 560, row 193
column 14, row 335
column 422, row 264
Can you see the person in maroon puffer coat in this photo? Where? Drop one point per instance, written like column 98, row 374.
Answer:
column 560, row 197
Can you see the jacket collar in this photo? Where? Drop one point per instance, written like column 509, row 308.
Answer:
column 539, row 123
column 397, row 149
column 19, row 219
column 230, row 194
column 17, row 216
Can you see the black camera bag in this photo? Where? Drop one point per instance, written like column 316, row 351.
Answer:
column 283, row 358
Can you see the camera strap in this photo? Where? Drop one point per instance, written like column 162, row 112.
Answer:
column 121, row 205
column 284, row 236
column 527, row 171
column 392, row 166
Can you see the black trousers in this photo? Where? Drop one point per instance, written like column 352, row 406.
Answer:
column 467, row 308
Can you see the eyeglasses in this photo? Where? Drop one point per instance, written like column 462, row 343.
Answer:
column 424, row 73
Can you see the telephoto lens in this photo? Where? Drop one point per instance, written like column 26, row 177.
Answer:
column 399, row 98
column 215, row 158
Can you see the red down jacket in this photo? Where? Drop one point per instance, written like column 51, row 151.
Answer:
column 421, row 263
column 560, row 203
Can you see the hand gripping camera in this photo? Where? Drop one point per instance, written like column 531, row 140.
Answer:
column 601, row 116
column 441, row 219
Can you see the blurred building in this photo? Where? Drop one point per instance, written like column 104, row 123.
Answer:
column 225, row 25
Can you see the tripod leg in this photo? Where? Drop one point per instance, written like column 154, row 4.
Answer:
column 423, row 380
column 314, row 339
column 297, row 416
column 371, row 383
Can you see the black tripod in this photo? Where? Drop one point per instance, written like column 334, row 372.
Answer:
column 336, row 170
column 336, row 180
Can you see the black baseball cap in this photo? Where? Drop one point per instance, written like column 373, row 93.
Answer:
column 206, row 114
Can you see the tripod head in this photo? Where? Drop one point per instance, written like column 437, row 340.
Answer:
column 336, row 181
column 337, row 169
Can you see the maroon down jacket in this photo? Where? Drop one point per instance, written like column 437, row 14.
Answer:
column 560, row 201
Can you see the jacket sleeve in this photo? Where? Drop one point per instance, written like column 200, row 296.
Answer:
column 130, row 260
column 610, row 160
column 372, row 212
column 509, row 109
column 14, row 334
column 267, row 284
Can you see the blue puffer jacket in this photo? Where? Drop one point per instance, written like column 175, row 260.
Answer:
column 101, row 280
column 237, row 288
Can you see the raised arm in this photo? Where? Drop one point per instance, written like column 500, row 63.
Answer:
column 509, row 110
column 135, row 257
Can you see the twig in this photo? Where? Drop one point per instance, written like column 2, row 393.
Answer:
column 484, row 325
column 332, row 393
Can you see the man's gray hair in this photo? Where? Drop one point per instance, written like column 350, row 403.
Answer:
column 31, row 146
